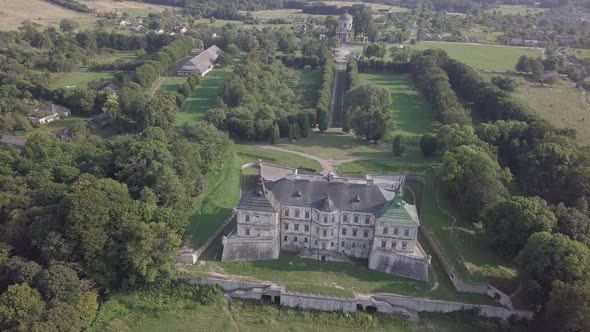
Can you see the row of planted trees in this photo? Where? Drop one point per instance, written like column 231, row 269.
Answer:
column 151, row 70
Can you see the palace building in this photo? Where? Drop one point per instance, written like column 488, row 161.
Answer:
column 329, row 218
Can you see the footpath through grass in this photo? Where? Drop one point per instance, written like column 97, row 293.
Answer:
column 223, row 188
column 487, row 57
column 204, row 96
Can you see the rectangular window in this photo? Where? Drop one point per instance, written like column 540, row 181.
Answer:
column 296, row 227
column 406, row 232
column 317, row 230
column 395, row 231
column 286, row 212
column 316, row 242
column 332, row 233
column 247, row 218
column 323, row 245
column 287, row 226
column 305, row 240
column 383, row 244
column 325, row 219
column 247, row 231
column 344, row 231
column 364, row 246
column 296, row 213
column 385, row 230
column 356, row 219
column 366, row 234
column 404, row 246
column 354, row 232
column 331, row 244
column 325, row 232
column 353, row 245
column 307, row 228
column 345, row 218
column 343, row 244
column 367, row 220
column 285, row 238
column 295, row 239
column 306, row 214
column 393, row 245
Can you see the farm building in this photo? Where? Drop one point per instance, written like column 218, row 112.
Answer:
column 47, row 113
column 202, row 63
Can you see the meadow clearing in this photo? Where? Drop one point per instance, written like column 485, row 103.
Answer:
column 483, row 57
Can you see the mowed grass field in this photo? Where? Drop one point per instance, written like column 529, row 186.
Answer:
column 13, row 12
column 223, row 190
column 133, row 8
column 204, row 96
column 485, row 57
column 78, row 78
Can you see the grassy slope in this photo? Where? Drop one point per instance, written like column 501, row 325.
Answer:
column 78, row 78
column 223, row 191
column 204, row 97
column 489, row 57
column 146, row 313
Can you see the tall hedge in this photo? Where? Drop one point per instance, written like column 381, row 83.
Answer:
column 168, row 55
column 325, row 95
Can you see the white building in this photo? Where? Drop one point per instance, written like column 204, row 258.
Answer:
column 201, row 64
column 330, row 219
column 345, row 31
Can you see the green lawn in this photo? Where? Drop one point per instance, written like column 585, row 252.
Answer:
column 145, row 312
column 488, row 57
column 171, row 84
column 223, row 187
column 78, row 78
column 336, row 145
column 204, row 97
column 580, row 52
column 412, row 115
column 308, row 86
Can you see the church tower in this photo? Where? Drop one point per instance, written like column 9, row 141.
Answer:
column 344, row 32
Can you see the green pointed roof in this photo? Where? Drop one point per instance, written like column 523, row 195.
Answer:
column 346, row 16
column 399, row 212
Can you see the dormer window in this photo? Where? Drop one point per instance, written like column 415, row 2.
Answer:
column 356, row 199
column 298, row 193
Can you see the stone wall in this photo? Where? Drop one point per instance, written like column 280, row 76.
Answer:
column 399, row 264
column 240, row 248
column 390, row 303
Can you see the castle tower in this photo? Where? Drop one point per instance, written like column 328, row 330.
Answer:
column 345, row 32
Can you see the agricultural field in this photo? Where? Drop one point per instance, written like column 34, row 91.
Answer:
column 12, row 13
column 279, row 13
column 562, row 104
column 374, row 6
column 204, row 96
column 133, row 8
column 484, row 57
column 223, row 191
column 516, row 9
column 147, row 312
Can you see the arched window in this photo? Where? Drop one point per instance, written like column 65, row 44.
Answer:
column 296, row 213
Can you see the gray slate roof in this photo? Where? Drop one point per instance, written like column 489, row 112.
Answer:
column 342, row 196
column 259, row 199
column 203, row 61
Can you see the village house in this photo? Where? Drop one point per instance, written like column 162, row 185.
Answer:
column 201, row 64
column 47, row 113
column 329, row 218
